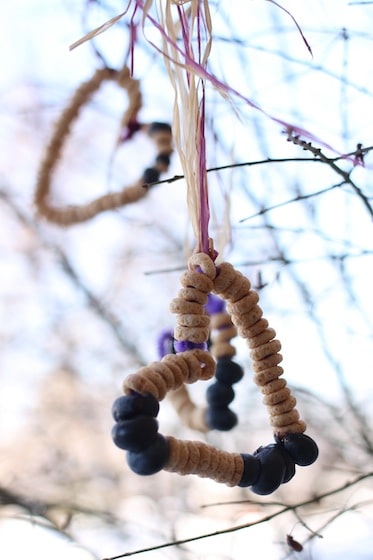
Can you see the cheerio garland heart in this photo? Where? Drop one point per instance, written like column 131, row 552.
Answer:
column 136, row 428
column 160, row 133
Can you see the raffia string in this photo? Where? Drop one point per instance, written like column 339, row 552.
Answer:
column 194, row 25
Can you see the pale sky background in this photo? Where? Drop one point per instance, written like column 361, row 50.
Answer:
column 38, row 75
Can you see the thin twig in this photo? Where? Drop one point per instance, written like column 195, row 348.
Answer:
column 319, row 157
column 284, row 509
column 93, row 301
column 295, row 139
column 268, row 260
column 291, row 201
column 325, row 160
column 39, row 508
column 233, row 166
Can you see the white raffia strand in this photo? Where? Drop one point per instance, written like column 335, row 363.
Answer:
column 101, row 29
column 188, row 87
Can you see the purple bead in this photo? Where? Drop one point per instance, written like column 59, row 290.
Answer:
column 214, row 305
column 184, row 345
column 165, row 343
column 132, row 127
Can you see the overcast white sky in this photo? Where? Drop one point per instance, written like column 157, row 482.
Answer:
column 37, row 68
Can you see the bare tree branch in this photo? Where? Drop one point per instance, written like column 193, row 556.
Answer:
column 284, row 508
column 93, row 301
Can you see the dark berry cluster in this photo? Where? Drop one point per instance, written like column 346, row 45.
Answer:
column 136, row 431
column 220, row 394
column 152, row 174
column 162, row 135
column 274, row 464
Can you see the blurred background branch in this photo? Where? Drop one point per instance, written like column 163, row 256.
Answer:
column 82, row 306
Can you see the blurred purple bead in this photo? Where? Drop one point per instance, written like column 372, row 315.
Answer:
column 214, row 305
column 165, row 343
column 184, row 345
column 130, row 130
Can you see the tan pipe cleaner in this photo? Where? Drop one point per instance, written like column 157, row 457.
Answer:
column 128, row 195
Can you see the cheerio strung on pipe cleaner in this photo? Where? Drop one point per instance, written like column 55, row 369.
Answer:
column 160, row 133
column 136, row 428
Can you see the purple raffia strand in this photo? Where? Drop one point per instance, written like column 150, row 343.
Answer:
column 204, row 216
column 203, row 73
column 296, row 24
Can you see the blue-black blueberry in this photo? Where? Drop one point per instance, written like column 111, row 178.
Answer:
column 301, row 448
column 219, row 394
column 251, row 470
column 272, row 470
column 152, row 459
column 136, row 433
column 221, row 418
column 289, row 463
column 128, row 406
column 227, row 371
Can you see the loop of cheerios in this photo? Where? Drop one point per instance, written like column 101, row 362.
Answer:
column 160, row 133
column 170, row 375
